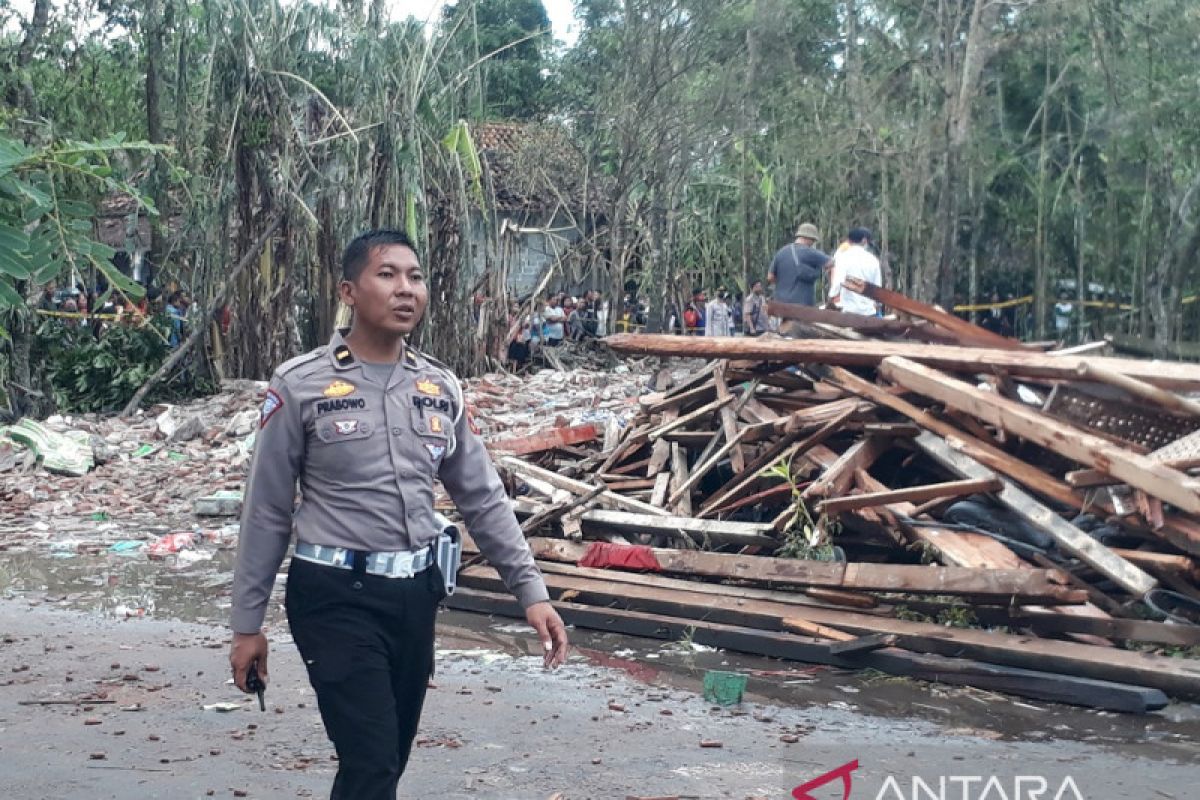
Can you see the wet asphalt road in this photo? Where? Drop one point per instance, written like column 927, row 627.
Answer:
column 623, row 719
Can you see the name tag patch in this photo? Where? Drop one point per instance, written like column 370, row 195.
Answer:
column 322, row 407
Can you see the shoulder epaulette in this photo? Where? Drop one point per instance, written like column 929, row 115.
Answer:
column 292, row 364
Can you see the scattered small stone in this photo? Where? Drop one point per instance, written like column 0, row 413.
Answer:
column 789, row 738
column 613, row 706
column 91, row 721
column 97, row 756
column 713, row 743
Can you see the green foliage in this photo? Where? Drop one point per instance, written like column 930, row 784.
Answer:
column 509, row 40
column 87, row 374
column 803, row 538
column 46, row 222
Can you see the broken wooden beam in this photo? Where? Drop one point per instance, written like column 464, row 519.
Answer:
column 876, row 326
column 1179, row 677
column 1029, row 423
column 1032, row 364
column 1033, row 684
column 607, row 498
column 1140, row 390
column 697, row 530
column 1071, row 539
column 961, row 329
column 545, row 440
column 914, row 494
column 1042, row 586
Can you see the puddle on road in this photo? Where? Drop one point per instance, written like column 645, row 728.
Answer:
column 132, row 585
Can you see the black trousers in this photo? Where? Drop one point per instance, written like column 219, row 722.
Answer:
column 367, row 642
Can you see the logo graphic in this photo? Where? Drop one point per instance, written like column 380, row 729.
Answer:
column 429, row 387
column 271, row 403
column 338, row 389
column 435, row 450
column 802, row 792
column 345, row 427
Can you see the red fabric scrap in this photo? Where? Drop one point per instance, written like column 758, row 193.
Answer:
column 606, row 555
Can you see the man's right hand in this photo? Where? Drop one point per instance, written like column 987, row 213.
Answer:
column 247, row 649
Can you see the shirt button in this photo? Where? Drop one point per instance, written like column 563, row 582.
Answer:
column 396, row 431
column 356, row 585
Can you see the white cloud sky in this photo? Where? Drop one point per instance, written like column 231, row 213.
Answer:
column 561, row 13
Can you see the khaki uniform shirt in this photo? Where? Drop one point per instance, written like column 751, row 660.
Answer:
column 366, row 458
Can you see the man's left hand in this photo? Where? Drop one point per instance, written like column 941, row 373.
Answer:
column 551, row 631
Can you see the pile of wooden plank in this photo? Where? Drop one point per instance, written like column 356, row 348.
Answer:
column 915, row 495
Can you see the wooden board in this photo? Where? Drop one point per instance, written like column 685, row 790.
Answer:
column 607, row 498
column 1138, row 471
column 914, row 494
column 961, row 329
column 1028, row 584
column 697, row 530
column 1066, row 535
column 1178, row 677
column 545, row 440
column 955, row 671
column 1032, row 364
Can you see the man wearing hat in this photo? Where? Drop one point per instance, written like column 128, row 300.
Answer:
column 797, row 266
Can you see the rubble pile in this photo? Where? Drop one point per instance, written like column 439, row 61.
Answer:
column 139, row 480
column 916, row 495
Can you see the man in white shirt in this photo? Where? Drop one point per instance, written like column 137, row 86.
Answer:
column 856, row 261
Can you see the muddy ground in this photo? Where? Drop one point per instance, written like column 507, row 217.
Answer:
column 623, row 719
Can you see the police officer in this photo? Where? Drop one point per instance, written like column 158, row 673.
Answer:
column 365, row 425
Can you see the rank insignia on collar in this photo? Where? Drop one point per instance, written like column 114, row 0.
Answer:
column 429, row 387
column 410, row 357
column 338, row 389
column 343, row 356
column 435, row 450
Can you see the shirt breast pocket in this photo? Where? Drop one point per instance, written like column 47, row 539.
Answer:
column 431, row 424
column 333, row 431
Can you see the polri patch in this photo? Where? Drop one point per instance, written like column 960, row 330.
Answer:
column 442, row 404
column 429, row 387
column 271, row 403
column 339, row 389
column 435, row 450
column 334, row 405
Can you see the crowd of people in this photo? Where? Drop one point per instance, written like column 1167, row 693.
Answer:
column 794, row 273
column 76, row 305
column 561, row 317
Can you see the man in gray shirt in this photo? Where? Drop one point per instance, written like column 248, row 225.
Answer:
column 365, row 426
column 797, row 266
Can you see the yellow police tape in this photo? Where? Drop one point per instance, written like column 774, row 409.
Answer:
column 1020, row 301
column 84, row 315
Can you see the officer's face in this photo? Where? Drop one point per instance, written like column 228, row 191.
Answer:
column 390, row 294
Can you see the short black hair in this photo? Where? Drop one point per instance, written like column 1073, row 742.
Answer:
column 859, row 235
column 175, row 296
column 354, row 259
